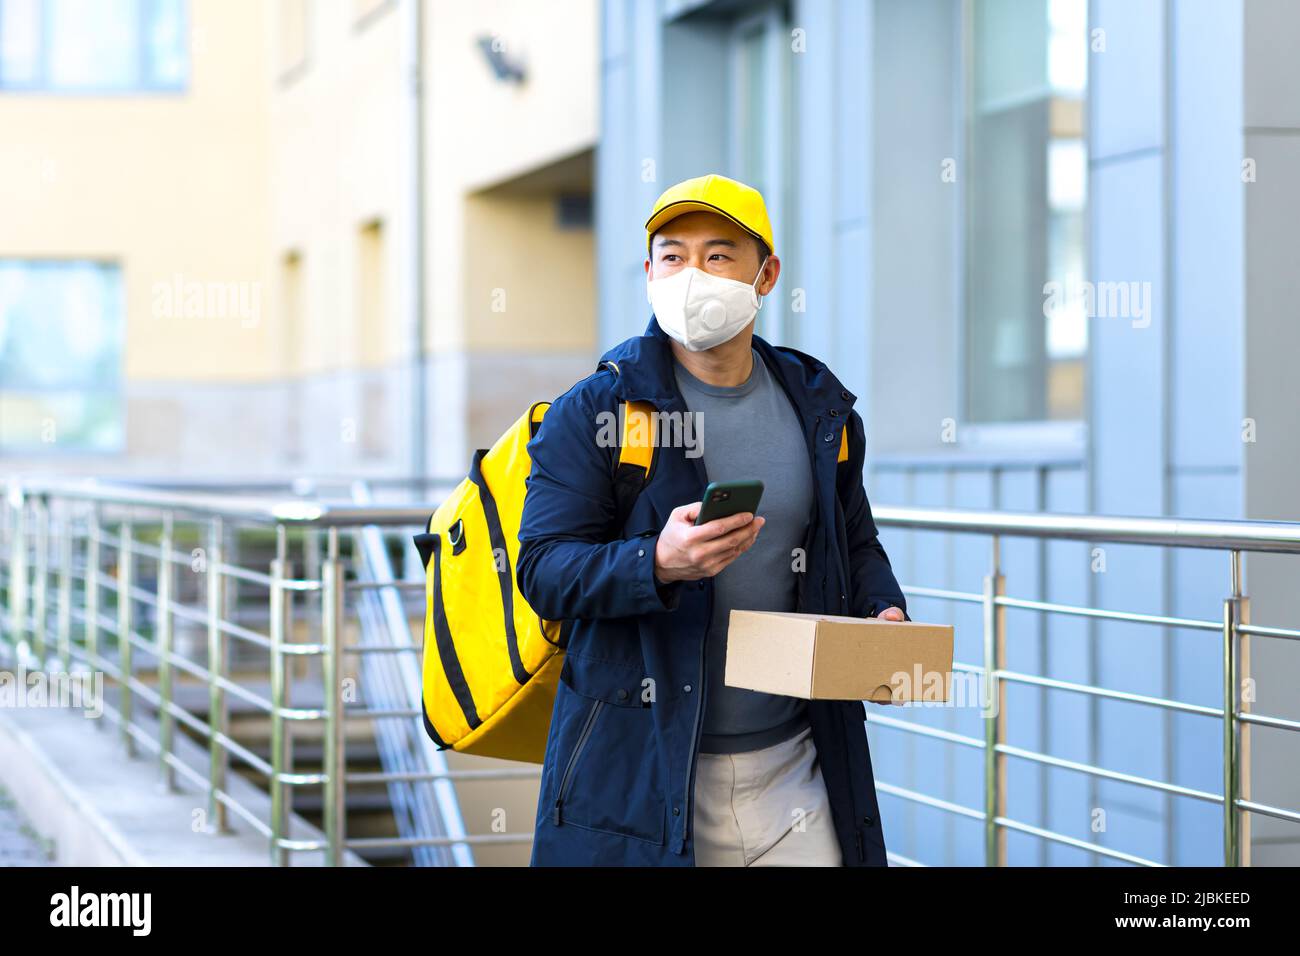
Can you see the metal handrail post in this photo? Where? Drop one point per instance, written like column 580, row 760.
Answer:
column 230, row 583
column 166, row 723
column 218, row 760
column 125, row 659
column 65, row 592
column 1243, row 707
column 312, row 561
column 995, row 838
column 1236, row 669
column 18, row 570
column 41, row 515
column 279, row 754
column 291, row 665
column 332, row 596
column 90, row 635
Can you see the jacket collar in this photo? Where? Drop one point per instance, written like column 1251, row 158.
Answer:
column 645, row 373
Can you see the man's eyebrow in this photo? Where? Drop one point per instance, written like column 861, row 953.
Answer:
column 730, row 243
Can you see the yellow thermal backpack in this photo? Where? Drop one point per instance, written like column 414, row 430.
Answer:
column 491, row 664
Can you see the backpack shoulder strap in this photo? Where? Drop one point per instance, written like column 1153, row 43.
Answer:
column 637, row 445
column 636, row 452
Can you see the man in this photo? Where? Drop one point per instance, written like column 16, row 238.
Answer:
column 651, row 758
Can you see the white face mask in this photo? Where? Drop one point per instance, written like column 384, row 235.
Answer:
column 701, row 310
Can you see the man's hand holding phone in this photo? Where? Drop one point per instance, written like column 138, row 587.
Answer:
column 687, row 552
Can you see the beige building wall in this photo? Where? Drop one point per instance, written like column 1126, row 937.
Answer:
column 483, row 132
column 340, row 126
column 287, row 168
column 173, row 188
column 528, row 285
column 511, row 294
column 338, row 133
column 285, row 171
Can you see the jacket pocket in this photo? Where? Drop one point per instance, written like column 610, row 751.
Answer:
column 567, row 775
column 612, row 779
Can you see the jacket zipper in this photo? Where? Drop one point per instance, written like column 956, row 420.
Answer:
column 695, row 732
column 844, row 581
column 812, row 454
column 699, row 710
column 577, row 752
column 690, row 776
column 688, row 831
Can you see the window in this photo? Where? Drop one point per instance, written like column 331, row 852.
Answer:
column 93, row 46
column 61, row 326
column 574, row 211
column 291, row 350
column 291, row 308
column 372, row 331
column 1026, row 207
column 372, row 312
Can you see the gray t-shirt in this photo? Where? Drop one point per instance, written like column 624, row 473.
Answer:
column 752, row 431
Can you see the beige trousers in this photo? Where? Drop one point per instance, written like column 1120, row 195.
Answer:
column 764, row 808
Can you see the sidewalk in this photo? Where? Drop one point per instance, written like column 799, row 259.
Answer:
column 75, row 784
column 19, row 844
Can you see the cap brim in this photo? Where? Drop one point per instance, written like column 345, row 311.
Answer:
column 683, row 206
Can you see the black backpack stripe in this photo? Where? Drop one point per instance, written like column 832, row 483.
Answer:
column 446, row 646
column 505, row 576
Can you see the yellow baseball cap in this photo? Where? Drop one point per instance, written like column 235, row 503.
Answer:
column 742, row 204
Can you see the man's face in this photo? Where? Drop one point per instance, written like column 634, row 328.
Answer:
column 710, row 243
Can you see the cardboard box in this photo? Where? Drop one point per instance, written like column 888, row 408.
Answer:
column 828, row 657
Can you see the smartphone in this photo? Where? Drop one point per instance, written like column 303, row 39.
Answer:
column 725, row 498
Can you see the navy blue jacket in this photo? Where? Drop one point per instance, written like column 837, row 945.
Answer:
column 619, row 770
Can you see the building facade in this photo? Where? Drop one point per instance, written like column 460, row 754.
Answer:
column 134, row 234
column 269, row 228
column 1047, row 244
column 483, row 117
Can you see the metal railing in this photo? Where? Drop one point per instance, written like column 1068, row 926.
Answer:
column 1232, row 537
column 56, row 537
column 73, row 557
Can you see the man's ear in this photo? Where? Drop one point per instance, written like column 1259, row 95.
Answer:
column 771, row 270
